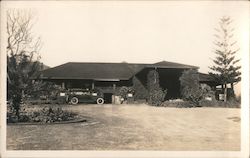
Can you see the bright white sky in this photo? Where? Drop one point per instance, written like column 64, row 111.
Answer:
column 137, row 32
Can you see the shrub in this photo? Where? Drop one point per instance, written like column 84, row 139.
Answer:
column 44, row 90
column 193, row 95
column 49, row 114
column 177, row 103
column 156, row 95
column 44, row 115
column 215, row 103
column 191, row 89
column 207, row 91
column 123, row 91
column 140, row 92
column 233, row 103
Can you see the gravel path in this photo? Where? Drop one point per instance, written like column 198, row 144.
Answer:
column 134, row 127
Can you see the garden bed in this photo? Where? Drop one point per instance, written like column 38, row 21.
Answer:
column 44, row 115
column 41, row 123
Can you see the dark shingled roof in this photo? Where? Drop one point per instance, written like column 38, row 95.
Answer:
column 166, row 64
column 163, row 64
column 103, row 71
column 205, row 77
column 97, row 71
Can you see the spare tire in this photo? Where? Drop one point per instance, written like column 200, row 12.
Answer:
column 74, row 100
column 100, row 101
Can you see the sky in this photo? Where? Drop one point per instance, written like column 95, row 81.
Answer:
column 135, row 32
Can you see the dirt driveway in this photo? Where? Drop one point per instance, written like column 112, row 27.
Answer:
column 134, row 127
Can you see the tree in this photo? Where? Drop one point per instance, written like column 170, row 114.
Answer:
column 140, row 91
column 225, row 69
column 22, row 56
column 190, row 86
column 156, row 94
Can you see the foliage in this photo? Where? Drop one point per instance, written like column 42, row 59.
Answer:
column 46, row 89
column 153, row 81
column 44, row 115
column 232, row 103
column 178, row 103
column 156, row 95
column 225, row 69
column 44, row 92
column 140, row 92
column 202, row 103
column 190, row 87
column 207, row 91
column 196, row 94
column 123, row 91
column 22, row 56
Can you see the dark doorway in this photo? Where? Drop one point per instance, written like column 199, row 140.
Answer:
column 169, row 79
column 108, row 98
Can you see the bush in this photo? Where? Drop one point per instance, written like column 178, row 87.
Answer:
column 207, row 92
column 44, row 115
column 192, row 90
column 123, row 91
column 178, row 103
column 140, row 92
column 49, row 114
column 156, row 95
column 216, row 103
column 44, row 90
column 193, row 95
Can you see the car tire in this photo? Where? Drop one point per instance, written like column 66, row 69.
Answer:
column 74, row 100
column 100, row 101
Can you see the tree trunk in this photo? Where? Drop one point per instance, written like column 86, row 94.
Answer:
column 17, row 114
column 232, row 87
column 225, row 93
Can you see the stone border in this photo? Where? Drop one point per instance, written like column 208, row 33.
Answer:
column 52, row 123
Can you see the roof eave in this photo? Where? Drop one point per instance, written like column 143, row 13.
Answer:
column 172, row 67
column 81, row 78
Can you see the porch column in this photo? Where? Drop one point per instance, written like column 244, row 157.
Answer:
column 63, row 85
column 113, row 96
column 114, row 87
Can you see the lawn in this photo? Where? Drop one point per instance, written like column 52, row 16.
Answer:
column 134, row 127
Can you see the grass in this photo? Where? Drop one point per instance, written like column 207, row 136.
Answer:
column 134, row 127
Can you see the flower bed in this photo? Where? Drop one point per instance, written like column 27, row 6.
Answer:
column 47, row 114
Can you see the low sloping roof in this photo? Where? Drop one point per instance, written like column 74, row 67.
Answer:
column 103, row 71
column 163, row 64
column 205, row 78
column 97, row 71
column 137, row 67
column 167, row 64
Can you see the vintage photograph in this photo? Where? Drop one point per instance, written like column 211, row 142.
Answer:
column 123, row 75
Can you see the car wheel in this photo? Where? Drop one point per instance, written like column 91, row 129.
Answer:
column 74, row 100
column 100, row 101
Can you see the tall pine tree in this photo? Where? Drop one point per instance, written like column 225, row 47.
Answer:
column 225, row 69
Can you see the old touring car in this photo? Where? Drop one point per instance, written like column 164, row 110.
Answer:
column 75, row 96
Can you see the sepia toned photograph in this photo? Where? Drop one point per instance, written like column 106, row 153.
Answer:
column 123, row 75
